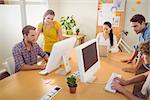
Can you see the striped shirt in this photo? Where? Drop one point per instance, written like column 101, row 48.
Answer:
column 23, row 56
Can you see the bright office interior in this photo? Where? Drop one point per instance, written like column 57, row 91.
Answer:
column 17, row 13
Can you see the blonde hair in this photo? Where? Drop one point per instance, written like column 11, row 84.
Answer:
column 49, row 11
column 145, row 47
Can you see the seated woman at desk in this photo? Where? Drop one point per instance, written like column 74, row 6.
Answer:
column 139, row 78
column 108, row 38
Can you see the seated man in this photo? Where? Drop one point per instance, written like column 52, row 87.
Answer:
column 142, row 77
column 139, row 25
column 25, row 52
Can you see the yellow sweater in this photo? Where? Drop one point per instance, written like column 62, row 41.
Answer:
column 50, row 35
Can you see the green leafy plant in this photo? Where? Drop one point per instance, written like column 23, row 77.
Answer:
column 71, row 81
column 68, row 23
column 77, row 31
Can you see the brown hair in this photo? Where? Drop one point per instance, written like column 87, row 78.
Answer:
column 27, row 28
column 51, row 12
column 138, row 18
column 145, row 47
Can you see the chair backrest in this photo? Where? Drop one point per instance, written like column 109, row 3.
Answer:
column 124, row 45
column 9, row 64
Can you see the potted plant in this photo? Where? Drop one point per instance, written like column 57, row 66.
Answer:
column 71, row 81
column 77, row 31
column 68, row 24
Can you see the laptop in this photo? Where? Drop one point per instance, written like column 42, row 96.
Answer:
column 103, row 51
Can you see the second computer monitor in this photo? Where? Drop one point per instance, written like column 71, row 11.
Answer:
column 88, row 60
column 61, row 50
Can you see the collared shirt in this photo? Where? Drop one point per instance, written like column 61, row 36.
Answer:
column 23, row 56
column 144, row 36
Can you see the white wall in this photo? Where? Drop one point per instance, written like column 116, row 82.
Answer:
column 148, row 11
column 10, row 30
column 54, row 5
column 142, row 8
column 34, row 15
column 11, row 27
column 85, row 13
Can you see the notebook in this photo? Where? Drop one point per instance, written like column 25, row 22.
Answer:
column 103, row 51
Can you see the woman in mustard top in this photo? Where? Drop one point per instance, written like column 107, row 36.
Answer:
column 51, row 30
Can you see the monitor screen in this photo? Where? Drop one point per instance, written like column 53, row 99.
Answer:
column 89, row 56
column 60, row 52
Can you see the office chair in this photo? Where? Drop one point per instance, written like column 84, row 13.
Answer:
column 122, row 43
column 9, row 64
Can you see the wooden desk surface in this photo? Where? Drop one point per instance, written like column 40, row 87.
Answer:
column 78, row 36
column 29, row 85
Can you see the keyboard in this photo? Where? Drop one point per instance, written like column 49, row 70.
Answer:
column 43, row 72
column 108, row 86
column 76, row 74
column 51, row 93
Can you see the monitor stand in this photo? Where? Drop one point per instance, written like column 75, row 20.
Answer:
column 91, row 79
column 67, row 67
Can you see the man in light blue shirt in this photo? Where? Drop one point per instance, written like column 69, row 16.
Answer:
column 145, row 35
column 140, row 26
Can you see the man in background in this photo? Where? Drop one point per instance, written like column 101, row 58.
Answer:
column 140, row 26
column 144, row 94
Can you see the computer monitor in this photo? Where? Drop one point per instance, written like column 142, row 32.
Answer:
column 88, row 60
column 60, row 52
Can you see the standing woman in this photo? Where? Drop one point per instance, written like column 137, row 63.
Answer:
column 51, row 30
column 108, row 38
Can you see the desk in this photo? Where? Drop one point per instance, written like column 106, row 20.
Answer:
column 80, row 38
column 29, row 85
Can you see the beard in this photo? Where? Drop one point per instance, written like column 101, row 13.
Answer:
column 31, row 42
column 140, row 31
